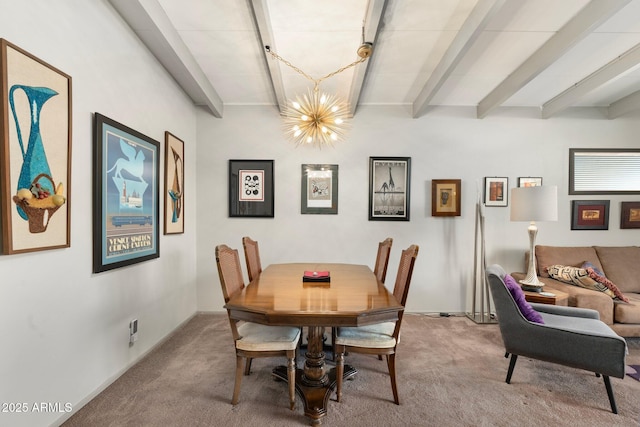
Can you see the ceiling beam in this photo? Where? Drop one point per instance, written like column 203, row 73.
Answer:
column 263, row 23
column 582, row 24
column 473, row 26
column 624, row 105
column 373, row 16
column 613, row 69
column 152, row 25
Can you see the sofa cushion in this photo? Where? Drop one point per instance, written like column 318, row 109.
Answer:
column 628, row 313
column 621, row 265
column 579, row 277
column 564, row 255
column 525, row 308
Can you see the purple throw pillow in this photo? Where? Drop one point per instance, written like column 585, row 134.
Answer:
column 525, row 308
column 587, row 264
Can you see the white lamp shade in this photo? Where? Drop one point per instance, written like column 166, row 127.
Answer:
column 534, row 203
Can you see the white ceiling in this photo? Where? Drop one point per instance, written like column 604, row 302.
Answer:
column 549, row 54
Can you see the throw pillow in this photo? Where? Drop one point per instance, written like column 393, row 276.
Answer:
column 525, row 308
column 607, row 283
column 588, row 264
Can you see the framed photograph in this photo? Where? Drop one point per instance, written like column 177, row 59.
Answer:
column 630, row 215
column 126, row 209
column 389, row 188
column 35, row 158
column 319, row 189
column 445, row 197
column 173, row 184
column 590, row 214
column 529, row 181
column 496, row 191
column 251, row 188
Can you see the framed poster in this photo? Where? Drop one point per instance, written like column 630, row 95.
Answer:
column 126, row 206
column 251, row 188
column 496, row 191
column 445, row 197
column 630, row 215
column 319, row 189
column 590, row 214
column 389, row 188
column 529, row 181
column 173, row 184
column 35, row 157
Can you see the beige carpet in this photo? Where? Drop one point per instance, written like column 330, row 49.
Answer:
column 451, row 372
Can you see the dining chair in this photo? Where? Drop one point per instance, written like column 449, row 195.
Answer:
column 382, row 338
column 252, row 257
column 382, row 259
column 251, row 339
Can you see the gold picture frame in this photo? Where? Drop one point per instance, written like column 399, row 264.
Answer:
column 445, row 197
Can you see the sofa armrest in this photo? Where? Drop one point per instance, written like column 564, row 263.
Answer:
column 566, row 311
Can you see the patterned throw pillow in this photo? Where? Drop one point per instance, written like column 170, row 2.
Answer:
column 585, row 278
column 525, row 308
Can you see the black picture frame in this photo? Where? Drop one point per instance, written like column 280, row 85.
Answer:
column 590, row 214
column 496, row 191
column 256, row 198
column 126, row 202
column 319, row 189
column 389, row 188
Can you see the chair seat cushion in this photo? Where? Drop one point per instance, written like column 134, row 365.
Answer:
column 256, row 337
column 379, row 335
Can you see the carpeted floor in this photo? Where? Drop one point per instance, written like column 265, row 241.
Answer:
column 451, row 372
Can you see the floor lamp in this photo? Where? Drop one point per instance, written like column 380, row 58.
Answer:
column 533, row 204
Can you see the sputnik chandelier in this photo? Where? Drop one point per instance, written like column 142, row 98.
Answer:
column 318, row 118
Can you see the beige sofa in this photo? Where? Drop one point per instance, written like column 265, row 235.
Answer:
column 621, row 265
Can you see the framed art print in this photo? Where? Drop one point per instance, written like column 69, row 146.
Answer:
column 630, row 215
column 35, row 157
column 496, row 191
column 529, row 181
column 173, row 184
column 319, row 189
column 445, row 197
column 590, row 214
column 251, row 188
column 126, row 228
column 389, row 188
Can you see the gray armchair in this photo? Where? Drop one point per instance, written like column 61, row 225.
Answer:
column 570, row 336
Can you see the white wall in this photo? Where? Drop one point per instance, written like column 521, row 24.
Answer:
column 445, row 143
column 65, row 330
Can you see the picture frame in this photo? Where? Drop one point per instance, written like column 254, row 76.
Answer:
column 446, row 195
column 126, row 208
column 319, row 189
column 590, row 214
column 630, row 215
column 173, row 184
column 496, row 191
column 389, row 188
column 35, row 158
column 251, row 188
column 529, row 181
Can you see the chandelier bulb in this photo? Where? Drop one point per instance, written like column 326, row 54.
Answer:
column 323, row 99
column 338, row 121
column 296, row 105
column 304, row 118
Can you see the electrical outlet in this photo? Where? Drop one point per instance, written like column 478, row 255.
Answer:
column 133, row 331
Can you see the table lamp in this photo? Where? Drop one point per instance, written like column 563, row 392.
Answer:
column 534, row 204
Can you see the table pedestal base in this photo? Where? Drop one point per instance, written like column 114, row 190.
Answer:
column 315, row 398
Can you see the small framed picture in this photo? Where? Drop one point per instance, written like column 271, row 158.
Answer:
column 173, row 184
column 496, row 191
column 389, row 188
column 529, row 181
column 630, row 215
column 445, row 197
column 590, row 214
column 251, row 188
column 319, row 189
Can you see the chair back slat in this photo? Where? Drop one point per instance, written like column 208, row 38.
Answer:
column 229, row 270
column 382, row 259
column 405, row 271
column 252, row 257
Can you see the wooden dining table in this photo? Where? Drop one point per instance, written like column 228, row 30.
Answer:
column 279, row 296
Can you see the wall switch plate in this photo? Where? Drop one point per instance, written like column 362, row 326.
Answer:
column 133, row 331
